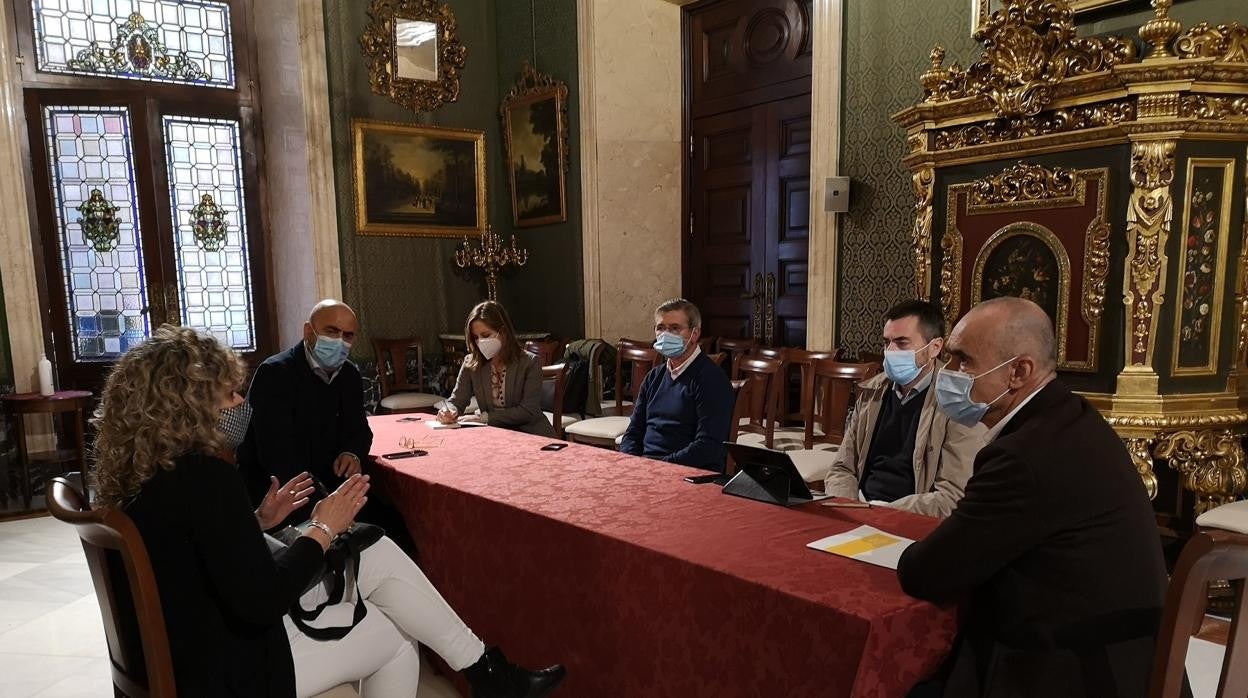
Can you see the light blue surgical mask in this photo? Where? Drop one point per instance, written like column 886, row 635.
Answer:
column 330, row 352
column 670, row 345
column 953, row 396
column 901, row 366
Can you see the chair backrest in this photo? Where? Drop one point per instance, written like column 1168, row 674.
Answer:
column 1208, row 555
column 547, row 351
column 835, row 384
column 707, row 344
column 125, row 587
column 743, row 391
column 717, row 358
column 392, row 373
column 763, row 406
column 870, row 357
column 735, row 349
column 559, row 374
column 803, row 362
column 641, row 360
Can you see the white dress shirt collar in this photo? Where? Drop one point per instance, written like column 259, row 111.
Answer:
column 681, row 368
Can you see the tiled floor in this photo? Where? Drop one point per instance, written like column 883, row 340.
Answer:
column 51, row 636
column 52, row 641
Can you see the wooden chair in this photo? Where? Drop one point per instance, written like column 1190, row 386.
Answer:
column 829, row 388
column 707, row 344
column 870, row 357
column 735, row 349
column 604, row 431
column 836, row 385
column 125, row 586
column 803, row 362
column 1208, row 555
column 399, row 394
column 717, row 358
column 558, row 373
column 763, row 405
column 548, row 351
column 742, row 391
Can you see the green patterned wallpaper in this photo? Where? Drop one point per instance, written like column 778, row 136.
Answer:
column 886, row 47
column 409, row 286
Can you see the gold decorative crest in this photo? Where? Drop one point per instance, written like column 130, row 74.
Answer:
column 1029, row 47
column 1024, row 183
column 378, row 46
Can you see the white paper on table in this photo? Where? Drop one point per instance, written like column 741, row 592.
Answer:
column 435, row 424
column 865, row 543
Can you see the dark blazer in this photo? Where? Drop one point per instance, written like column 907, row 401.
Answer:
column 1055, row 547
column 222, row 591
column 523, row 392
column 301, row 423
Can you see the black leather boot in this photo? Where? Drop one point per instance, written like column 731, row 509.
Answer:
column 495, row 677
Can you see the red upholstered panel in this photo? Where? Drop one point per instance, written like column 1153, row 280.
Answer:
column 1069, row 223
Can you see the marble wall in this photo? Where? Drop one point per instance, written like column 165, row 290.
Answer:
column 630, row 74
column 302, row 223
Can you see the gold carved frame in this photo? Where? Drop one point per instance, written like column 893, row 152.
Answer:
column 1032, row 187
column 377, row 45
column 363, row 226
column 1224, row 233
column 981, row 10
column 530, row 88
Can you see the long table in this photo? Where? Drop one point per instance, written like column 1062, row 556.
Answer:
column 645, row 585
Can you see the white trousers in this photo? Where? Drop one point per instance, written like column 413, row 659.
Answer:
column 403, row 609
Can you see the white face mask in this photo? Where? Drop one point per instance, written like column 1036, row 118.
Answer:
column 489, row 347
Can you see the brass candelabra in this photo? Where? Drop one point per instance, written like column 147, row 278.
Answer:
column 490, row 257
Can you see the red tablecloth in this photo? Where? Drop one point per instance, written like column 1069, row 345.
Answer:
column 645, row 585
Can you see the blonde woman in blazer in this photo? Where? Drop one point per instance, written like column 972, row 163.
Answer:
column 504, row 378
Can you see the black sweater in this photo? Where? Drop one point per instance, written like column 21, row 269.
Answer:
column 222, row 591
column 299, row 422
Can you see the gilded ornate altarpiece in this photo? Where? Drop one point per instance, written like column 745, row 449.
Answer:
column 1104, row 178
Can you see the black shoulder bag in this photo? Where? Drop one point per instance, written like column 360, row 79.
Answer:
column 344, row 550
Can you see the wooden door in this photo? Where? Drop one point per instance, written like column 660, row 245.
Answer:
column 747, row 183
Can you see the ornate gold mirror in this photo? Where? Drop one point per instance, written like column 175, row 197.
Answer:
column 414, row 56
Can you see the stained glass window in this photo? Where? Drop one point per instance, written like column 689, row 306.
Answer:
column 90, row 149
column 181, row 41
column 215, row 284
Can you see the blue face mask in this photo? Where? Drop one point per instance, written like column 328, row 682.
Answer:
column 330, row 352
column 900, row 365
column 953, row 396
column 670, row 345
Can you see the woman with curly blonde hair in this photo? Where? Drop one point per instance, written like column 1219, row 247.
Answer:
column 225, row 588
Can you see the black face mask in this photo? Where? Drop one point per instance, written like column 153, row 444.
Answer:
column 233, row 424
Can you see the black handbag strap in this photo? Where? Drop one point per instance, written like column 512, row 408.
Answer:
column 361, row 536
column 337, row 589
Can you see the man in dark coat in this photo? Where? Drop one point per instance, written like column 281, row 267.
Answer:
column 1054, row 546
column 308, row 415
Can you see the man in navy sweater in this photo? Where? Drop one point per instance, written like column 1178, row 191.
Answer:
column 683, row 410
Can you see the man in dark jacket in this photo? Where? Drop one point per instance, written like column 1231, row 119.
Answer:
column 308, row 415
column 1054, row 545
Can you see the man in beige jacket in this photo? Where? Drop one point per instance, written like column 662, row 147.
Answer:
column 899, row 449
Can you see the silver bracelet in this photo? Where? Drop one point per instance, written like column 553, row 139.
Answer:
column 317, row 524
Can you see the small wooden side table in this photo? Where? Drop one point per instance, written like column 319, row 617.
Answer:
column 61, row 402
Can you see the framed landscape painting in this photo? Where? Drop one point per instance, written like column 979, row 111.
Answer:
column 418, row 180
column 535, row 134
